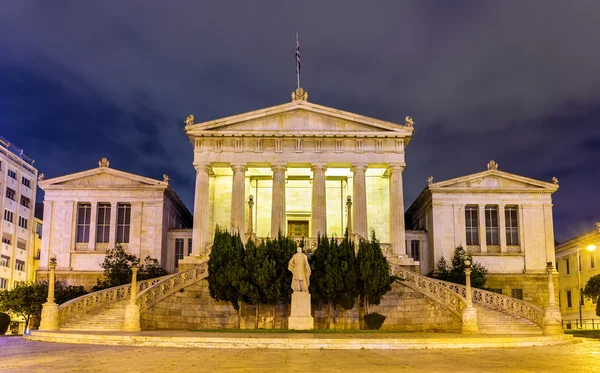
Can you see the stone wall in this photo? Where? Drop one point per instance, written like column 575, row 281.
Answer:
column 534, row 286
column 193, row 308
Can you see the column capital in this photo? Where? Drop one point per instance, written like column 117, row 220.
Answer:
column 203, row 167
column 239, row 167
column 396, row 167
column 318, row 166
column 278, row 166
column 359, row 167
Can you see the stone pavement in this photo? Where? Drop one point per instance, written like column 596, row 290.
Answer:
column 19, row 355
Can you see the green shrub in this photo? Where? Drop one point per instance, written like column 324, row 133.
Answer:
column 4, row 322
column 374, row 320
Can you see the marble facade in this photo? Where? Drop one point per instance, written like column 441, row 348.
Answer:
column 300, row 162
column 71, row 232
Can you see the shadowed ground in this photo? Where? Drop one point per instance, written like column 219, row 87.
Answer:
column 18, row 355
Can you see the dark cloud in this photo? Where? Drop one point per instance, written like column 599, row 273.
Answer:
column 514, row 81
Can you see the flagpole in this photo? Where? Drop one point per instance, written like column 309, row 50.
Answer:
column 298, row 59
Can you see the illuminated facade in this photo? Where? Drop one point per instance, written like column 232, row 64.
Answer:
column 88, row 212
column 18, row 185
column 300, row 162
column 574, row 274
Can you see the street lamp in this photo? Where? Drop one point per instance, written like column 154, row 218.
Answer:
column 590, row 248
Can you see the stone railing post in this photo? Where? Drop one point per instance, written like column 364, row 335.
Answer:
column 50, row 309
column 132, row 310
column 349, row 207
column 469, row 313
column 552, row 316
column 250, row 231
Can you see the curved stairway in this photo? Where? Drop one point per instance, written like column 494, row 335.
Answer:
column 105, row 310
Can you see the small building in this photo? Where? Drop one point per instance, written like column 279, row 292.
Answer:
column 577, row 261
column 18, row 186
column 503, row 220
column 89, row 212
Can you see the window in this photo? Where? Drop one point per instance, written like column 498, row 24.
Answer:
column 103, row 226
column 38, row 229
column 579, row 262
column 512, row 226
column 21, row 244
column 22, row 222
column 592, row 261
column 179, row 245
column 499, row 291
column 568, row 266
column 123, row 222
column 25, row 202
column 472, row 225
column 8, row 216
column 12, row 174
column 189, row 246
column 20, row 265
column 491, row 226
column 10, row 194
column 581, row 301
column 25, row 181
column 84, row 211
column 6, row 238
column 414, row 250
column 4, row 260
column 3, row 283
column 516, row 293
column 569, row 300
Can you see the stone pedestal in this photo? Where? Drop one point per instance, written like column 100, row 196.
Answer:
column 469, row 321
column 300, row 318
column 552, row 320
column 132, row 318
column 49, row 317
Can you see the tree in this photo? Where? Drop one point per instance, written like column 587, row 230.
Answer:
column 26, row 300
column 592, row 290
column 117, row 268
column 226, row 269
column 374, row 276
column 456, row 273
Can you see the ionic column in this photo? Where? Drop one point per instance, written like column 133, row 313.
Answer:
column 201, row 200
column 278, row 218
column 502, row 228
column 397, row 233
column 238, row 197
column 93, row 224
column 482, row 243
column 360, row 201
column 112, row 229
column 319, row 201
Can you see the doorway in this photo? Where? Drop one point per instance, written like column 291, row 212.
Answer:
column 297, row 228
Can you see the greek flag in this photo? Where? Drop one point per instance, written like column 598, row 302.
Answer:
column 297, row 55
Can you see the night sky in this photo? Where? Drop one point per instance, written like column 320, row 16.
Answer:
column 514, row 81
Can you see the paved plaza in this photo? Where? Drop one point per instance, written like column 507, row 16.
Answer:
column 19, row 355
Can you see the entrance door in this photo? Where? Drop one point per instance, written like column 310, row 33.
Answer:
column 297, row 228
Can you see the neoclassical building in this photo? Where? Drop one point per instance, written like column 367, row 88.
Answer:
column 298, row 168
column 88, row 212
column 504, row 220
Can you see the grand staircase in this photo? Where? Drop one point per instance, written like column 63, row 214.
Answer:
column 105, row 310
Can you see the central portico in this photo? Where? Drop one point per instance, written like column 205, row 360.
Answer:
column 291, row 168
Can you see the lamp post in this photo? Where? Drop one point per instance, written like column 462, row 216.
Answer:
column 469, row 313
column 50, row 317
column 589, row 248
column 132, row 310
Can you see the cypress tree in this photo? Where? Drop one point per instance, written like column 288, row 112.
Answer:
column 374, row 275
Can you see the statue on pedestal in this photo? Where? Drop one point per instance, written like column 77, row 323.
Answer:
column 300, row 269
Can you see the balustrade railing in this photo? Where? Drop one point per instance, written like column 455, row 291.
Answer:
column 96, row 299
column 501, row 302
column 154, row 294
column 453, row 300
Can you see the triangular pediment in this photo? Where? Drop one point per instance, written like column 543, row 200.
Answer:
column 299, row 117
column 101, row 177
column 493, row 180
